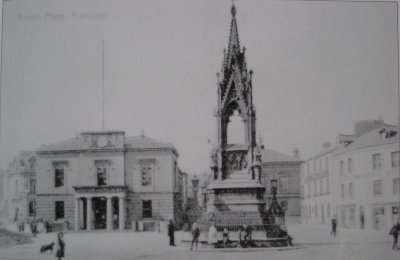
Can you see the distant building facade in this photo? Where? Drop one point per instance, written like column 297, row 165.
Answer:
column 286, row 170
column 356, row 180
column 19, row 186
column 106, row 180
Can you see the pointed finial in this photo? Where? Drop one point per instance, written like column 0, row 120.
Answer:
column 233, row 9
column 142, row 134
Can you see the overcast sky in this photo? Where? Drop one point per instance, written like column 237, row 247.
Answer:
column 318, row 67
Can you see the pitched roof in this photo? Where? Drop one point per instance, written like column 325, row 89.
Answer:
column 131, row 142
column 373, row 138
column 270, row 156
column 144, row 142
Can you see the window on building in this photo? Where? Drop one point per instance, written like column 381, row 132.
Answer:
column 16, row 187
column 328, row 210
column 59, row 206
column 31, row 208
column 315, row 189
column 376, row 161
column 377, row 187
column 59, row 175
column 341, row 167
column 327, row 186
column 321, row 187
column 309, row 190
column 316, row 210
column 396, row 186
column 352, row 217
column 315, row 166
column 283, row 186
column 320, row 164
column 342, row 192
column 32, row 185
column 102, row 167
column 147, row 170
column 309, row 211
column 351, row 190
column 349, row 165
column 395, row 159
column 302, row 191
column 147, row 209
column 326, row 163
column 308, row 169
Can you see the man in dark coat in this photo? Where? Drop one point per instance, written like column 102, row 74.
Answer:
column 334, row 224
column 394, row 231
column 171, row 230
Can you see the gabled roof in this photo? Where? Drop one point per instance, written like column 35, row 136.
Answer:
column 271, row 156
column 144, row 142
column 375, row 137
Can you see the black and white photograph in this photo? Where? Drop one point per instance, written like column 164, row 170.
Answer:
column 184, row 129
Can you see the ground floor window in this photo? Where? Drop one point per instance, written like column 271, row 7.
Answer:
column 31, row 208
column 147, row 209
column 59, row 206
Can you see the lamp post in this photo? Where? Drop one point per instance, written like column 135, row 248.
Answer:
column 34, row 207
column 274, row 187
column 195, row 184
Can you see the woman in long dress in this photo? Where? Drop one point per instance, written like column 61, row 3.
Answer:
column 212, row 235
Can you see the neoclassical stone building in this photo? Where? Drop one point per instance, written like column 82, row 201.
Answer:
column 106, row 180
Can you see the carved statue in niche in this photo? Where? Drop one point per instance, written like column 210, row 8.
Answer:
column 214, row 163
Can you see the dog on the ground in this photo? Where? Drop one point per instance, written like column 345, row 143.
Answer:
column 46, row 248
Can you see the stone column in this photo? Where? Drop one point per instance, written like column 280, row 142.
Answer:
column 121, row 212
column 77, row 213
column 109, row 214
column 89, row 213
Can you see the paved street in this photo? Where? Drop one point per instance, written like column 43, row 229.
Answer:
column 315, row 244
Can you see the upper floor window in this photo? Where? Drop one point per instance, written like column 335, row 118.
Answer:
column 396, row 186
column 326, row 163
column 102, row 168
column 320, row 164
column 32, row 185
column 147, row 209
column 302, row 191
column 341, row 166
column 377, row 187
column 376, row 161
column 315, row 165
column 308, row 169
column 395, row 159
column 59, row 172
column 349, row 165
column 351, row 190
column 321, row 188
column 327, row 186
column 146, row 174
column 342, row 192
column 283, row 185
column 315, row 189
column 308, row 190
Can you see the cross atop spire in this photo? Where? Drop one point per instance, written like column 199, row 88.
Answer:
column 233, row 35
column 233, row 9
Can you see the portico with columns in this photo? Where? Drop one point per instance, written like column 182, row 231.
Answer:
column 100, row 207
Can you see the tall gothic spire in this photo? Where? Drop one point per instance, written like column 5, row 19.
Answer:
column 233, row 35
